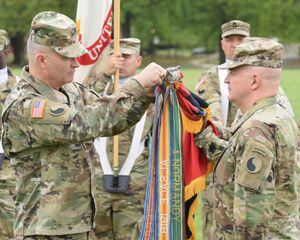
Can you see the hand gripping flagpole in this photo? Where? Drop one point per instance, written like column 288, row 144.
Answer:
column 116, row 183
column 116, row 88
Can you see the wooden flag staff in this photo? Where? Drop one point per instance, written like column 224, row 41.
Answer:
column 116, row 183
column 117, row 4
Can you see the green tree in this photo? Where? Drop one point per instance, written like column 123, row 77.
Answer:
column 188, row 23
column 15, row 18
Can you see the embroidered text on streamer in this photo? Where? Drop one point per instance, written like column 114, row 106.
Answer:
column 177, row 167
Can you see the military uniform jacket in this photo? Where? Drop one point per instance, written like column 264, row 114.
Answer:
column 209, row 89
column 47, row 134
column 254, row 181
column 6, row 88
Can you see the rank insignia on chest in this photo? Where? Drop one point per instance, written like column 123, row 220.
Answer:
column 38, row 108
column 254, row 165
column 56, row 110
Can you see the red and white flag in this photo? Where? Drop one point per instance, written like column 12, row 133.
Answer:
column 94, row 26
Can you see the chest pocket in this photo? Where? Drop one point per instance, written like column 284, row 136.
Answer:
column 255, row 165
column 224, row 171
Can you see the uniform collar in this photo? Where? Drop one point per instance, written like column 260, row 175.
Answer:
column 260, row 104
column 43, row 88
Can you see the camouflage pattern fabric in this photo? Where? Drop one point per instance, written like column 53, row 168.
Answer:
column 119, row 216
column 235, row 27
column 209, row 89
column 127, row 46
column 48, row 136
column 7, row 176
column 57, row 31
column 4, row 40
column 254, row 182
column 257, row 51
column 80, row 236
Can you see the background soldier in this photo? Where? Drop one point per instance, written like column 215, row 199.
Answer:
column 119, row 215
column 255, row 178
column 211, row 86
column 49, row 124
column 7, row 178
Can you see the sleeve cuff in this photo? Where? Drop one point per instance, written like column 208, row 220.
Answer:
column 133, row 87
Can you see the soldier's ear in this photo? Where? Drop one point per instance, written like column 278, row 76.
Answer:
column 6, row 51
column 41, row 59
column 139, row 60
column 256, row 81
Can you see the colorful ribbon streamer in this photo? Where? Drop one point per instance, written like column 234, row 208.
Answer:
column 177, row 167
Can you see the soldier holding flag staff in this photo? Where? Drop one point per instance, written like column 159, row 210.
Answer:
column 119, row 214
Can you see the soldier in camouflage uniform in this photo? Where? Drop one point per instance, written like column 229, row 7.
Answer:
column 48, row 127
column 119, row 215
column 7, row 177
column 212, row 88
column 255, row 178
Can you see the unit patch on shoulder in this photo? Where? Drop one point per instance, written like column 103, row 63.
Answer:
column 56, row 110
column 38, row 108
column 254, row 165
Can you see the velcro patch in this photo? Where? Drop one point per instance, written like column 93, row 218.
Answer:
column 254, row 164
column 38, row 108
column 56, row 110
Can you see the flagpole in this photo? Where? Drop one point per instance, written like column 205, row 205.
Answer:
column 117, row 4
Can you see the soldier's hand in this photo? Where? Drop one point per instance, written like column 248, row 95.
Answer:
column 204, row 137
column 151, row 76
column 115, row 61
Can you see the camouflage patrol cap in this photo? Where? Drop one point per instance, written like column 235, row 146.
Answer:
column 57, row 31
column 128, row 45
column 235, row 27
column 257, row 51
column 4, row 40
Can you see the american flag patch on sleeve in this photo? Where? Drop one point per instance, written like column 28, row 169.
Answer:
column 38, row 108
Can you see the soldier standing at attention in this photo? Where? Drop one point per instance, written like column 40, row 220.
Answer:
column 214, row 90
column 48, row 127
column 255, row 176
column 7, row 177
column 119, row 215
column 211, row 86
